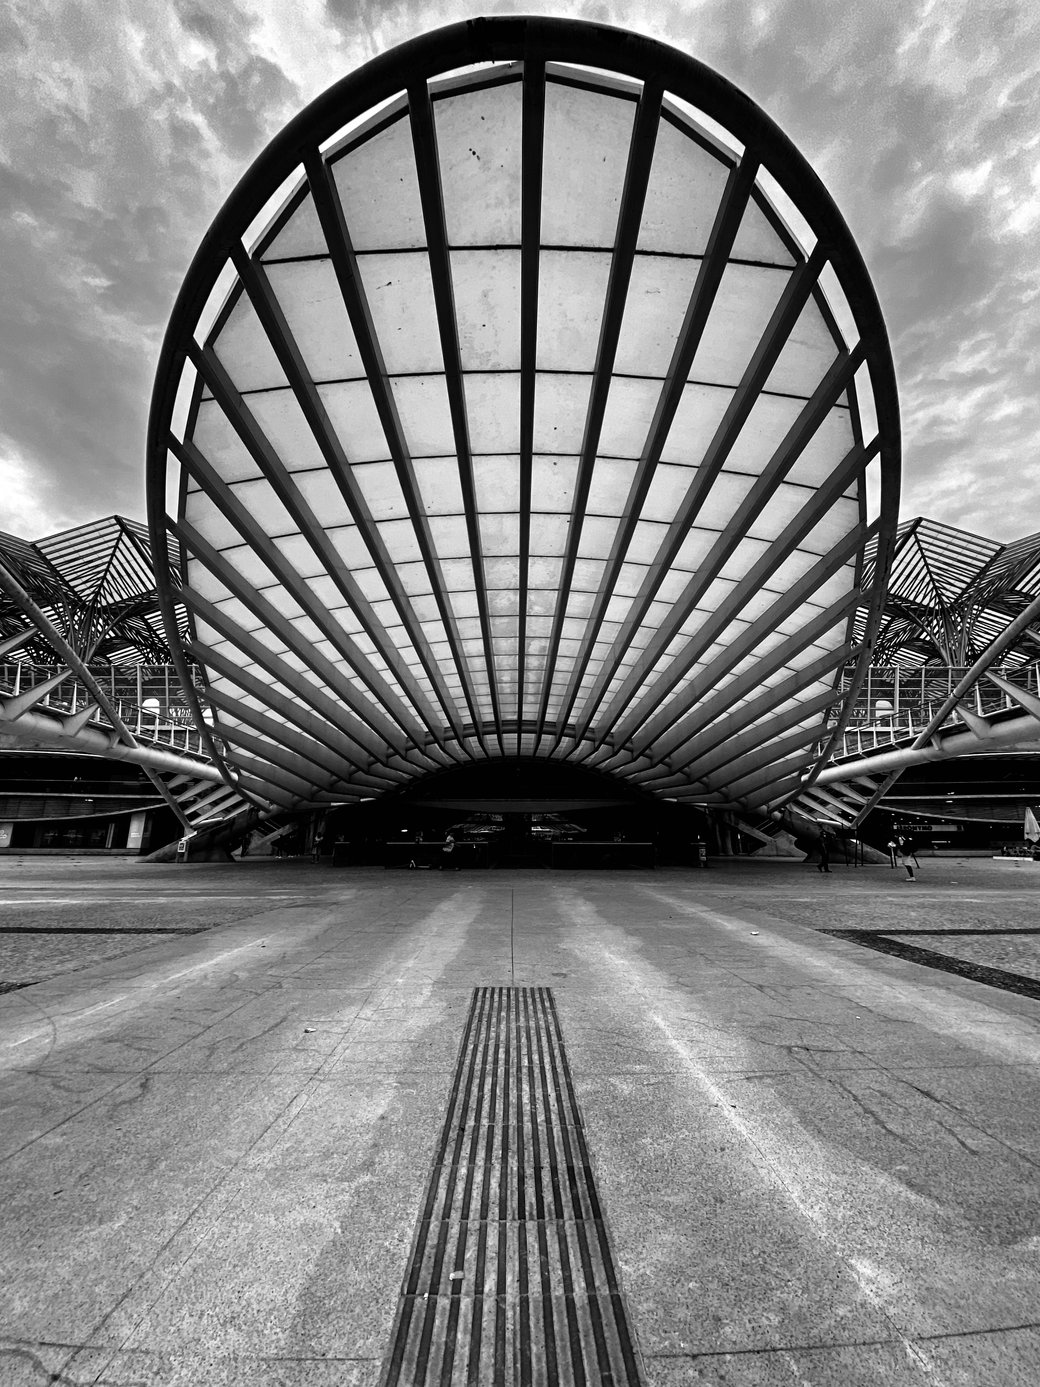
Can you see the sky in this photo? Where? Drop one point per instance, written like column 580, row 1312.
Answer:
column 124, row 125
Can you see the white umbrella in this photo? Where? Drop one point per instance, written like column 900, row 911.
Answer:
column 1032, row 828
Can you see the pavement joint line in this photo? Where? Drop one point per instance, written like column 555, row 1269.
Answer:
column 885, row 942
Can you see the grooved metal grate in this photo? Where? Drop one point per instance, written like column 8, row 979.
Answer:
column 511, row 1279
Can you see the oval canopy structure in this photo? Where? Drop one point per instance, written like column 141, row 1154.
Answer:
column 528, row 398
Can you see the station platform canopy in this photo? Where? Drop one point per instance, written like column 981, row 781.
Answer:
column 528, row 398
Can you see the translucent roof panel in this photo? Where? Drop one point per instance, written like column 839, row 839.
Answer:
column 525, row 427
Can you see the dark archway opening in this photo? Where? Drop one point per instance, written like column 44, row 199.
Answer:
column 519, row 812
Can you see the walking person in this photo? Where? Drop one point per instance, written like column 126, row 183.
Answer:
column 905, row 851
column 824, row 864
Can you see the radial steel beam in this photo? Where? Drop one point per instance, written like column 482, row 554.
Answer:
column 797, row 744
column 740, row 728
column 279, row 759
column 738, row 793
column 373, row 724
column 748, row 743
column 355, row 300
column 277, row 669
column 318, row 752
column 269, row 312
column 309, row 525
column 633, row 197
column 683, row 723
column 834, row 384
column 427, row 167
column 797, row 290
column 645, row 723
column 314, row 727
column 702, row 299
column 532, row 137
column 294, row 584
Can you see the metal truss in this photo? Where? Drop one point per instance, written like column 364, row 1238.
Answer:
column 195, row 788
column 522, row 411
column 849, row 789
column 949, row 594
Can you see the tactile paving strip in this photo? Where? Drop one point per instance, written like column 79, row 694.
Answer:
column 511, row 1280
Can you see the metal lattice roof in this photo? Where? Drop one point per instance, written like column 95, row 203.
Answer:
column 97, row 584
column 535, row 420
column 950, row 594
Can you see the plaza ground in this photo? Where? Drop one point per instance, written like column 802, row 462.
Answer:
column 223, row 1090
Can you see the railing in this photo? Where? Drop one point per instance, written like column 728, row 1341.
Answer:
column 894, row 704
column 147, row 698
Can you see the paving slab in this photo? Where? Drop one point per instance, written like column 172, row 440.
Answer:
column 817, row 1164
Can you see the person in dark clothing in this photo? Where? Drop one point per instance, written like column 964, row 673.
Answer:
column 824, row 864
column 905, row 852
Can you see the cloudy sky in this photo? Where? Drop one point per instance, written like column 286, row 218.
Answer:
column 125, row 123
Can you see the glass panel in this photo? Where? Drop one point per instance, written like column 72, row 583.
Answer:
column 499, row 534
column 451, row 540
column 439, row 486
column 352, row 413
column 560, row 406
column 553, row 480
column 597, row 535
column 686, row 184
column 399, row 289
column 696, row 420
column 486, row 286
column 658, row 298
column 301, row 235
column 572, row 288
column 252, row 569
column 627, row 418
column 243, row 349
column 422, row 403
column 401, row 543
column 502, row 572
column 756, row 238
column 380, row 192
column 765, row 429
column 831, row 441
column 746, row 299
column 808, row 352
column 668, row 487
column 497, row 482
column 220, row 444
column 310, row 298
column 478, row 146
column 378, row 483
column 581, row 195
column 264, row 507
column 201, row 512
column 611, row 482
column 493, row 411
column 549, row 534
column 282, row 420
column 323, row 496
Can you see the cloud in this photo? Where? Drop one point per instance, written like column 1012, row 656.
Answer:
column 124, row 129
column 126, row 125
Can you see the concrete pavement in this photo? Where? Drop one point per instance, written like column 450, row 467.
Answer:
column 817, row 1163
